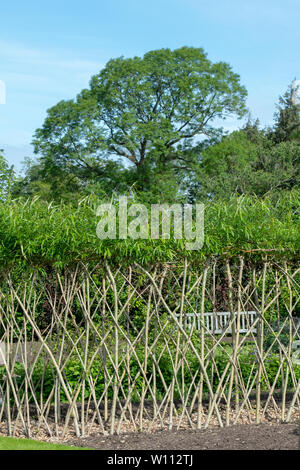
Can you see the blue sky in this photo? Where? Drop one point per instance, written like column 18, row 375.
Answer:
column 49, row 50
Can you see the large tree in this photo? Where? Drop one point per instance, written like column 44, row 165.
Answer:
column 150, row 112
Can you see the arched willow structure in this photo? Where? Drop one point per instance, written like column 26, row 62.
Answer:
column 101, row 345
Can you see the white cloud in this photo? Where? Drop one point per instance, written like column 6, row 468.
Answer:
column 20, row 54
column 36, row 79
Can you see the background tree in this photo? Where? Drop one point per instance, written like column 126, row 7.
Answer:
column 150, row 112
column 287, row 117
column 53, row 182
column 7, row 177
column 248, row 161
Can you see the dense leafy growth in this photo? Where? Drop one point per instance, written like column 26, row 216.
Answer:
column 36, row 232
column 146, row 127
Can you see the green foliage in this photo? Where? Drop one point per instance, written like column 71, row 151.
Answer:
column 12, row 443
column 68, row 182
column 147, row 125
column 41, row 234
column 246, row 163
column 43, row 377
column 6, row 178
column 149, row 112
column 287, row 118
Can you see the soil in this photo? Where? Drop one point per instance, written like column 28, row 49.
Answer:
column 239, row 437
column 270, row 434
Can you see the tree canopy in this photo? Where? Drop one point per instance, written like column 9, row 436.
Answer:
column 150, row 112
column 287, row 117
column 246, row 162
column 149, row 125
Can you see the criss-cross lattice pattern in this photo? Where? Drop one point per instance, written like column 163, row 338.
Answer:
column 106, row 347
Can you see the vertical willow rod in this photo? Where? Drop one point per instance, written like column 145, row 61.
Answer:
column 202, row 350
column 260, row 344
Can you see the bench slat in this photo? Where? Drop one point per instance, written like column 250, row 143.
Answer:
column 217, row 322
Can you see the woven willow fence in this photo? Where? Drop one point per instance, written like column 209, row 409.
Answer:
column 104, row 349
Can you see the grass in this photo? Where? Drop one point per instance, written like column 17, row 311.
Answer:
column 12, row 443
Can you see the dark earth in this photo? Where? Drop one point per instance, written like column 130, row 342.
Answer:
column 238, row 437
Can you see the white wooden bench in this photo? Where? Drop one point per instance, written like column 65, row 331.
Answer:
column 217, row 322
